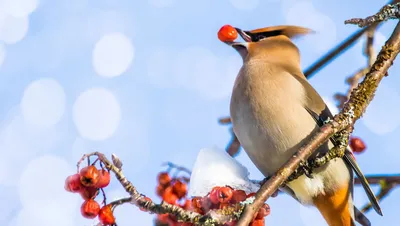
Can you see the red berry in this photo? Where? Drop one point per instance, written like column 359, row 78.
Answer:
column 164, row 179
column 90, row 209
column 89, row 193
column 196, row 204
column 180, row 189
column 213, row 196
column 89, row 176
column 73, row 183
column 169, row 196
column 257, row 223
column 231, row 223
column 227, row 33
column 251, row 194
column 160, row 190
column 163, row 218
column 225, row 194
column 106, row 215
column 263, row 212
column 238, row 196
column 357, row 145
column 205, row 204
column 104, row 179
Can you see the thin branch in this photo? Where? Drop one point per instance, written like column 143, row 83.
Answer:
column 335, row 52
column 390, row 11
column 387, row 184
column 212, row 218
column 351, row 112
column 386, row 188
column 179, row 168
column 354, row 79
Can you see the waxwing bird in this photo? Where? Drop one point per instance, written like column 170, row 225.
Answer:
column 275, row 110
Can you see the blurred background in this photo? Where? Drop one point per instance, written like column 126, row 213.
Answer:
column 148, row 80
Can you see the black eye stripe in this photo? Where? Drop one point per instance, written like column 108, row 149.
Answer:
column 259, row 36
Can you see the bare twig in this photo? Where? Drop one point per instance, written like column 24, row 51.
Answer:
column 177, row 167
column 390, row 11
column 225, row 120
column 377, row 179
column 351, row 112
column 387, row 184
column 335, row 52
column 234, row 145
column 354, row 79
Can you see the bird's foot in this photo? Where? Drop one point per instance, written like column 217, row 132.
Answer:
column 305, row 167
column 328, row 120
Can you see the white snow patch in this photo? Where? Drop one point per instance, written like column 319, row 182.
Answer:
column 112, row 54
column 96, row 114
column 214, row 167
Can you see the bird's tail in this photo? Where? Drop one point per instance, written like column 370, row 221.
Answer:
column 337, row 208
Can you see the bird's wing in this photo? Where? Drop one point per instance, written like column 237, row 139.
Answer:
column 317, row 108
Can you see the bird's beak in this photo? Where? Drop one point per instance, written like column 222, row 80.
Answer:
column 246, row 36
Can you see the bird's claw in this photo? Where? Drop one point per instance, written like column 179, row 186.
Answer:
column 306, row 169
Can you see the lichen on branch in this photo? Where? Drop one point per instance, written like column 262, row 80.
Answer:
column 390, row 11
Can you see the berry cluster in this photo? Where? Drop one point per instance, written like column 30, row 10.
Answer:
column 222, row 197
column 173, row 190
column 88, row 182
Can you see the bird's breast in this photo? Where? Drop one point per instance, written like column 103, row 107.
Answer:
column 269, row 117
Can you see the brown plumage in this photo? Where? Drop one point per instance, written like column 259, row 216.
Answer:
column 274, row 110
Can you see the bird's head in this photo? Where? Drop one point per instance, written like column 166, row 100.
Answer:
column 268, row 39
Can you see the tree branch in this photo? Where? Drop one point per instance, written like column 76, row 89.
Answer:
column 212, row 218
column 390, row 11
column 386, row 182
column 354, row 79
column 351, row 112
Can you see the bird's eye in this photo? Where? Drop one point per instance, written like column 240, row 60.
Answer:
column 263, row 35
column 258, row 38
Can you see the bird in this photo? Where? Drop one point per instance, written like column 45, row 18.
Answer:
column 275, row 110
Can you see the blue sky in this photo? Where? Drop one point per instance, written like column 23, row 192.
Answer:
column 148, row 80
